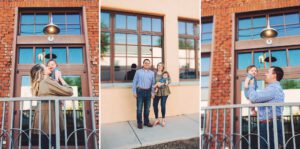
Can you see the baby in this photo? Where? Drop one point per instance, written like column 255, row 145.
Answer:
column 251, row 73
column 52, row 64
column 165, row 79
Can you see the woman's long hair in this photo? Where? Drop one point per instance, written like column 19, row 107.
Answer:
column 36, row 76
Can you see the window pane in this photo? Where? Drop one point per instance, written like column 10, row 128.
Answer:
column 182, row 53
column 132, row 22
column 181, row 43
column 206, row 38
column 59, row 18
column 259, row 60
column 27, row 19
column 41, row 19
column 61, row 55
column 244, row 60
column 27, row 29
column 156, row 25
column 191, row 63
column 146, row 51
column 120, row 50
column 156, row 61
column 105, row 50
column 280, row 57
column 280, row 30
column 256, row 33
column 183, row 64
column 206, row 27
column 73, row 30
column 146, row 40
column 157, row 52
column 39, row 55
column 290, row 83
column 39, row 29
column 75, row 56
column 73, row 18
column 181, row 27
column 276, row 20
column 189, row 43
column 120, row 21
column 131, row 39
column 292, row 18
column 132, row 51
column 205, row 64
column 259, row 22
column 156, row 41
column 245, row 23
column 105, row 74
column 131, row 61
column 245, row 34
column 105, row 38
column 25, row 56
column 120, row 68
column 292, row 30
column 120, row 38
column 204, row 81
column 75, row 82
column 294, row 57
column 105, row 19
column 146, row 24
column 190, row 28
column 63, row 29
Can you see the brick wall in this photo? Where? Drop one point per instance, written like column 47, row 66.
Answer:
column 7, row 15
column 223, row 11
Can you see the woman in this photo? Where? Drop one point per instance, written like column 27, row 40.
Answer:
column 43, row 85
column 161, row 95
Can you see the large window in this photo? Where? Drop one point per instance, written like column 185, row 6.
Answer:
column 126, row 40
column 32, row 23
column 263, row 59
column 286, row 24
column 188, row 49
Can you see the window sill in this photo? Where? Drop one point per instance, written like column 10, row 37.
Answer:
column 129, row 85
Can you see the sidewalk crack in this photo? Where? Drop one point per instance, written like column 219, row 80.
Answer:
column 135, row 133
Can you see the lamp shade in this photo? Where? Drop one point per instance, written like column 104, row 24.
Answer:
column 268, row 33
column 51, row 29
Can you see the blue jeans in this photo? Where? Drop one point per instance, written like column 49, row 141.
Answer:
column 264, row 133
column 143, row 98
column 162, row 104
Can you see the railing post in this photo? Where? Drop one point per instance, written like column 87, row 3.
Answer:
column 275, row 127
column 57, row 129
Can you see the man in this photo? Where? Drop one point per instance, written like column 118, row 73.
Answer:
column 271, row 94
column 143, row 91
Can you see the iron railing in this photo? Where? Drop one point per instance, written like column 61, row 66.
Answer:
column 74, row 122
column 233, row 126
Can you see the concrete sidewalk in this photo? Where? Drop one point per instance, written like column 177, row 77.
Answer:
column 127, row 135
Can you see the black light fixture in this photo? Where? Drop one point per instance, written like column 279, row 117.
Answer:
column 273, row 59
column 51, row 29
column 268, row 33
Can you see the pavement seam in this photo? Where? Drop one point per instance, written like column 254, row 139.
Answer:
column 135, row 133
column 191, row 118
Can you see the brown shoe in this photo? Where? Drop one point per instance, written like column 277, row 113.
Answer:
column 148, row 125
column 140, row 126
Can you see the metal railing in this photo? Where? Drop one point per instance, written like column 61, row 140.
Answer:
column 58, row 122
column 235, row 127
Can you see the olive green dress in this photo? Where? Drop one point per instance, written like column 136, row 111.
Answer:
column 49, row 87
column 165, row 91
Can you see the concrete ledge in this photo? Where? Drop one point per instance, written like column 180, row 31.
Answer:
column 129, row 85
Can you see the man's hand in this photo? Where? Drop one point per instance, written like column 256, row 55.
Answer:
column 134, row 95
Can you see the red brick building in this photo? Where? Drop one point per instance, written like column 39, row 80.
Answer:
column 231, row 41
column 76, row 47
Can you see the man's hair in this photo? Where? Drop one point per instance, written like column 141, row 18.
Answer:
column 146, row 60
column 278, row 71
column 249, row 67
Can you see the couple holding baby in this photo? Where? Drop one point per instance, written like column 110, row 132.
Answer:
column 273, row 93
column 149, row 85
